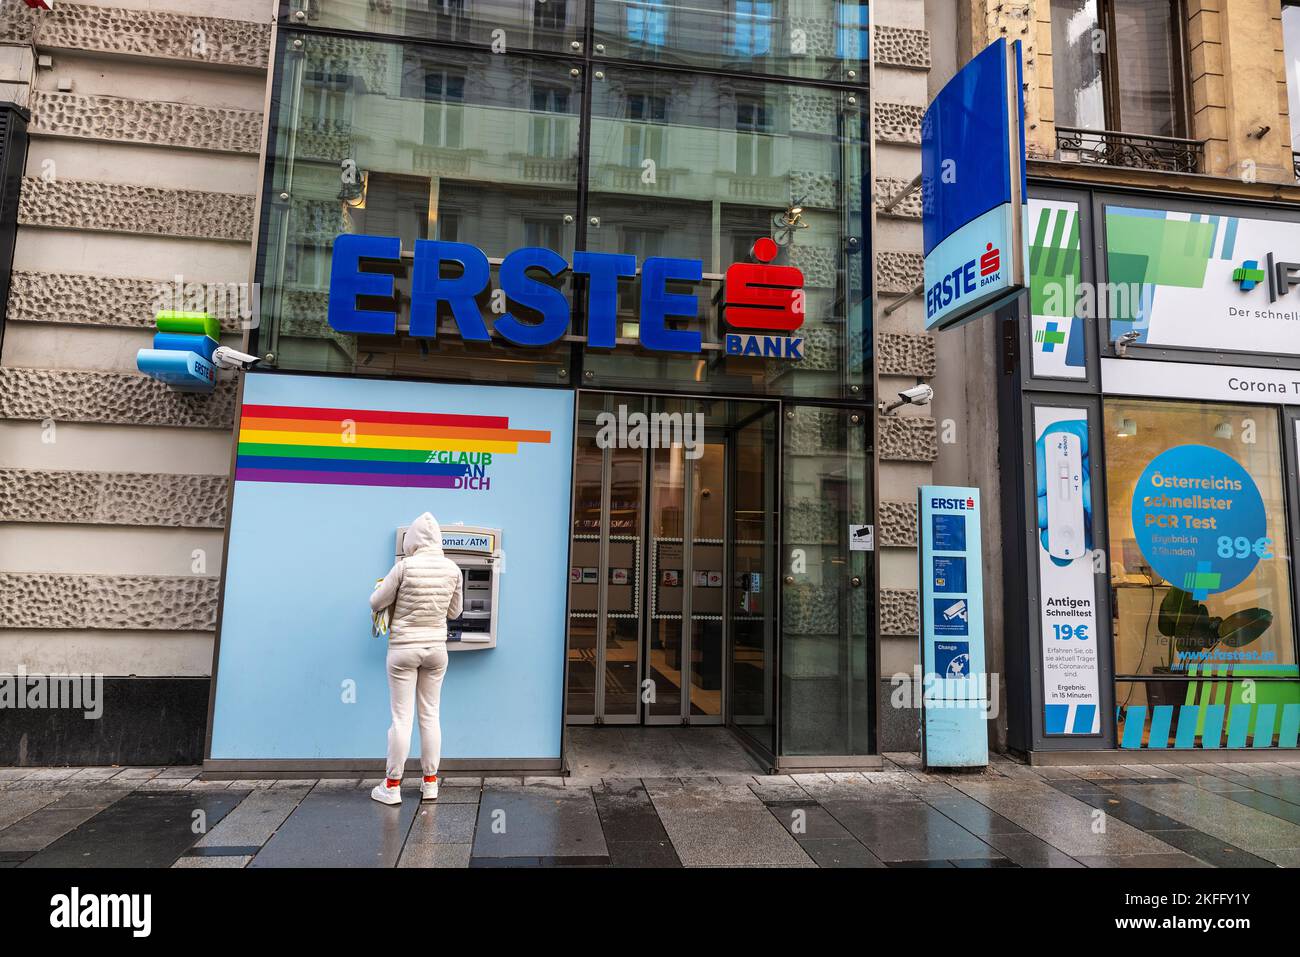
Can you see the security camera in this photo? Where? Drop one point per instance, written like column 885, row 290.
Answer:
column 920, row 394
column 1122, row 343
column 225, row 357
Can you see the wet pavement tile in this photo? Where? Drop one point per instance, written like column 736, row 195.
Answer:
column 1063, row 821
column 725, row 826
column 234, row 861
column 1174, row 859
column 808, row 820
column 252, row 823
column 435, row 855
column 16, row 805
column 1218, row 815
column 438, row 823
column 340, row 829
column 1025, row 850
column 643, row 854
column 841, row 852
column 907, row 832
column 921, row 863
column 973, row 816
column 142, row 829
column 979, row 862
column 538, row 823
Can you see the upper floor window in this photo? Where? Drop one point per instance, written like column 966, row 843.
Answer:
column 1291, row 55
column 1118, row 65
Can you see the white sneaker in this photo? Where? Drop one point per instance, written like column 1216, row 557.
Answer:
column 386, row 795
column 429, row 790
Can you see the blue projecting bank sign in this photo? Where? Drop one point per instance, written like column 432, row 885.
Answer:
column 973, row 187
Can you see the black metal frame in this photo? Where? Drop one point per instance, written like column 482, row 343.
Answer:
column 13, row 159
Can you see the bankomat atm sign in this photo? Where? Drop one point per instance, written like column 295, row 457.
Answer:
column 757, row 296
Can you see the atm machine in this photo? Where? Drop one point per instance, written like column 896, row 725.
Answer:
column 478, row 553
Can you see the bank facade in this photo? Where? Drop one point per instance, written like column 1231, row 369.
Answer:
column 566, row 340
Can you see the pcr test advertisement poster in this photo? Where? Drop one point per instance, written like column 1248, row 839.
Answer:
column 327, row 470
column 1067, row 595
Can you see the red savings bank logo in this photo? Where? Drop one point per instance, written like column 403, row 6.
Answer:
column 762, row 296
column 991, row 261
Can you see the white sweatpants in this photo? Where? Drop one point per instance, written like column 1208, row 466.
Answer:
column 415, row 674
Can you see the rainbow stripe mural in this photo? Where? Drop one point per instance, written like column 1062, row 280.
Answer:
column 319, row 446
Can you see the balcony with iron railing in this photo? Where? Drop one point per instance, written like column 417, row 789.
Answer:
column 1166, row 154
column 1295, row 164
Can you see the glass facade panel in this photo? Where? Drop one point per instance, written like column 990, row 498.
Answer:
column 1190, row 464
column 392, row 139
column 700, row 167
column 500, row 24
column 827, row 647
column 811, row 39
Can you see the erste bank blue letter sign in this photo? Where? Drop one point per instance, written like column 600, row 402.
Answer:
column 757, row 296
column 973, row 189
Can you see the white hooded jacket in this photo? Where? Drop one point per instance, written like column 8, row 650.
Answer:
column 426, row 585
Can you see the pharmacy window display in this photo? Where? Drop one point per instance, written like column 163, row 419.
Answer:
column 1200, row 571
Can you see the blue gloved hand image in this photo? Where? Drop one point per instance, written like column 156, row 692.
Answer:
column 1079, row 429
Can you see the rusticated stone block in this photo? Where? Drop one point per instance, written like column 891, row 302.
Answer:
column 899, row 271
column 123, row 208
column 135, row 602
column 900, row 353
column 146, row 121
column 113, row 498
column 65, row 395
column 901, row 47
column 887, row 188
column 898, row 123
column 907, row 438
column 148, row 33
column 897, row 524
column 101, row 300
column 899, row 612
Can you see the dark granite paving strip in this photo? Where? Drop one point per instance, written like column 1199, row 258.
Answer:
column 1123, row 809
column 1288, row 789
column 627, row 815
column 339, row 828
column 538, row 822
column 907, row 832
column 822, row 838
column 1267, row 803
column 43, row 827
column 1173, row 832
column 1210, row 849
column 219, row 851
column 14, row 858
column 142, row 829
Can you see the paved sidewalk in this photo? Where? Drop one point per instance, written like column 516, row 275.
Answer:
column 1222, row 815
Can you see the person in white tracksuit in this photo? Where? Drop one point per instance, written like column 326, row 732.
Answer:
column 425, row 589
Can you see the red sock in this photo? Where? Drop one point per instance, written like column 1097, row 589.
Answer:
column 430, row 778
column 392, row 782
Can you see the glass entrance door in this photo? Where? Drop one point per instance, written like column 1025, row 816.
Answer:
column 671, row 561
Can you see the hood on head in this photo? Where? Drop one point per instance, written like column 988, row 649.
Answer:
column 424, row 532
